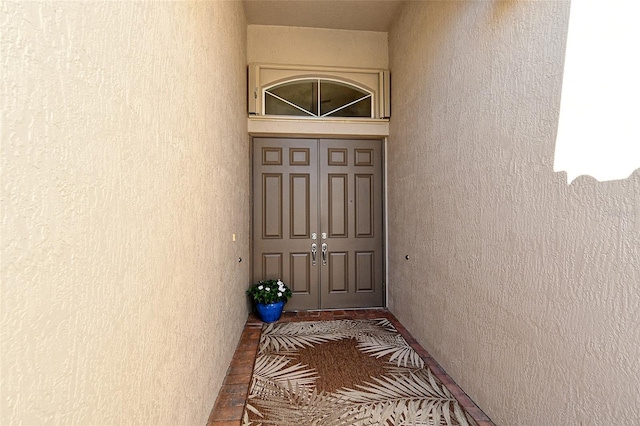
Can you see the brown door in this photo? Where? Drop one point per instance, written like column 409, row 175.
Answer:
column 317, row 220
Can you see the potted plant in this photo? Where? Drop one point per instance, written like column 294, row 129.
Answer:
column 269, row 297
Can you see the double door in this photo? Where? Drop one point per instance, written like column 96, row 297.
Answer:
column 317, row 220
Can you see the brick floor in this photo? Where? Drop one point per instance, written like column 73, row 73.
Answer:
column 229, row 405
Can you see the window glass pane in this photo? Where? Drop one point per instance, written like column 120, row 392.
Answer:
column 301, row 98
column 301, row 93
column 334, row 95
column 274, row 106
column 361, row 108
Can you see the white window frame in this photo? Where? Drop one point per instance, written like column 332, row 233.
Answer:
column 373, row 81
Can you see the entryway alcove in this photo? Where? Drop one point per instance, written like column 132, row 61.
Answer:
column 318, row 138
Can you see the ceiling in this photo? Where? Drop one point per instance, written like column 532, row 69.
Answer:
column 360, row 15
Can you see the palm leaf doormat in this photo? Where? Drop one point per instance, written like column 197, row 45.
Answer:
column 345, row 372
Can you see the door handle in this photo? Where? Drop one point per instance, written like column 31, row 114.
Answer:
column 314, row 249
column 324, row 254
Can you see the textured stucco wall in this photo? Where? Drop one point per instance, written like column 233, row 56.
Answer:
column 527, row 290
column 124, row 174
column 317, row 46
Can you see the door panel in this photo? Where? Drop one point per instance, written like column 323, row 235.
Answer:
column 351, row 210
column 272, row 206
column 337, row 205
column 330, row 188
column 365, row 271
column 299, row 273
column 272, row 264
column 299, row 205
column 285, row 175
column 364, row 205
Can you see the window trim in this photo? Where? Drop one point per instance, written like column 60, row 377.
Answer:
column 374, row 81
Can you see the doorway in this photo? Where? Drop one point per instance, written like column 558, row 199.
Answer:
column 317, row 220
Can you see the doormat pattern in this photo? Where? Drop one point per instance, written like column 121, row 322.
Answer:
column 345, row 372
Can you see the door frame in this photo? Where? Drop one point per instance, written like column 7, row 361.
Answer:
column 385, row 228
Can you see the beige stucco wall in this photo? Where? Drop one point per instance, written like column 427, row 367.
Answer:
column 124, row 174
column 317, row 46
column 527, row 290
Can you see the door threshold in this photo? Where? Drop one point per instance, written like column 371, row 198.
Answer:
column 379, row 308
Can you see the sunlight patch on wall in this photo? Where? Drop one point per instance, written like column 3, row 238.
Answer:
column 599, row 125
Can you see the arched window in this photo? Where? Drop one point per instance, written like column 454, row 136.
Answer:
column 314, row 92
column 317, row 97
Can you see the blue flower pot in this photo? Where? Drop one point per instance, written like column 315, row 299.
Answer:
column 270, row 312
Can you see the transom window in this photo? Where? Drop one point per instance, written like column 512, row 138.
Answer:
column 316, row 97
column 316, row 92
